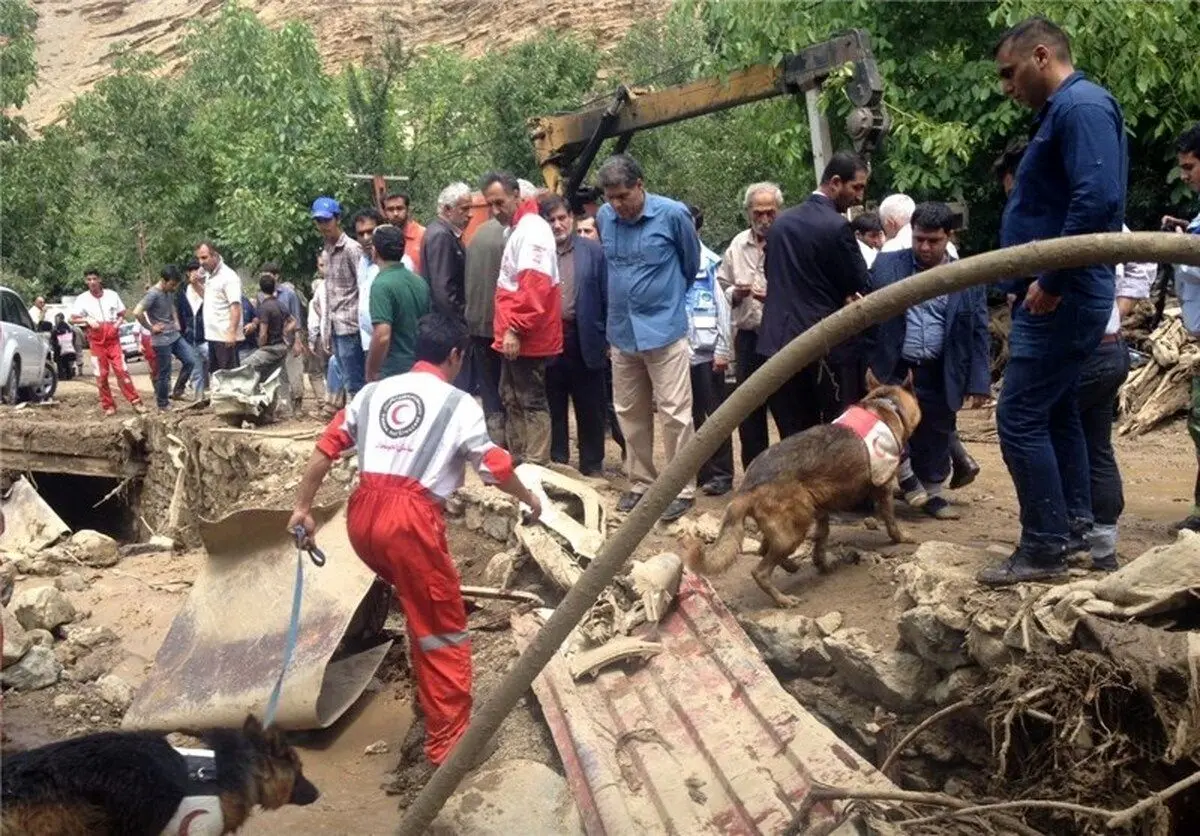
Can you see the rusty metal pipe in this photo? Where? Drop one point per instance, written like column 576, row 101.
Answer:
column 1026, row 260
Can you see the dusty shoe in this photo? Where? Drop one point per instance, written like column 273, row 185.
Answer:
column 1023, row 567
column 1105, row 564
column 938, row 508
column 964, row 473
column 1191, row 523
column 628, row 501
column 913, row 492
column 717, row 487
column 678, row 507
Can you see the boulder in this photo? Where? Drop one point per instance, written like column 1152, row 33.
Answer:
column 70, row 582
column 37, row 669
column 40, row 637
column 115, row 691
column 42, row 606
column 988, row 650
column 16, row 640
column 510, row 796
column 88, row 637
column 498, row 526
column 8, row 576
column 89, row 668
column 940, row 574
column 896, row 679
column 93, row 548
column 789, row 643
column 922, row 632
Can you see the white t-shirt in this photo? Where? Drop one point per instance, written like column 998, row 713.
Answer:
column 107, row 308
column 222, row 290
column 367, row 271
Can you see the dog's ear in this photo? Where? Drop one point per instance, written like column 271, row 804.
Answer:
column 872, row 380
column 275, row 744
column 252, row 728
column 907, row 385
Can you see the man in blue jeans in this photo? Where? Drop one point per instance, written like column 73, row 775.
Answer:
column 1071, row 181
column 156, row 312
column 339, row 317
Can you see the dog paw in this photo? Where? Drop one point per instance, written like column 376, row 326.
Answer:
column 902, row 536
column 787, row 601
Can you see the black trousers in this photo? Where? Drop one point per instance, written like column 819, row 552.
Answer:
column 817, row 394
column 708, row 393
column 929, row 447
column 568, row 378
column 222, row 357
column 753, row 431
column 1102, row 375
column 614, row 426
column 485, row 372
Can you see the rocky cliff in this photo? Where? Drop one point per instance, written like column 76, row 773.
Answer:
column 75, row 36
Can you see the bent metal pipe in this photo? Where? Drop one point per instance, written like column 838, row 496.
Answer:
column 1025, row 260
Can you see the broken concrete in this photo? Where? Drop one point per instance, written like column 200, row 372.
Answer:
column 928, row 636
column 30, row 523
column 510, row 796
column 790, row 643
column 898, row 680
column 42, row 606
column 37, row 669
column 16, row 640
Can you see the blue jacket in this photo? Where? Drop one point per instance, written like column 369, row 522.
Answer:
column 1071, row 181
column 591, row 301
column 812, row 264
column 966, row 351
column 651, row 262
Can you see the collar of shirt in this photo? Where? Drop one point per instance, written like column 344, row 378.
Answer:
column 428, row 368
column 1067, row 82
column 652, row 206
column 918, row 267
column 527, row 207
column 340, row 242
column 567, row 248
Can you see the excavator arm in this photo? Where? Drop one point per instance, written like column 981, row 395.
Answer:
column 566, row 145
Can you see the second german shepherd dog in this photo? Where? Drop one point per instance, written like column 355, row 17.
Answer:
column 132, row 783
column 799, row 481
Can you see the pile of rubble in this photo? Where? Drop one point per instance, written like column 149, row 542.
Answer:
column 1161, row 388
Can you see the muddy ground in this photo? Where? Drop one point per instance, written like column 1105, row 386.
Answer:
column 139, row 597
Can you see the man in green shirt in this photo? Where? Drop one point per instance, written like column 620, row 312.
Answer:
column 399, row 298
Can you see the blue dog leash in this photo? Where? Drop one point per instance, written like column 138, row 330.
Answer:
column 318, row 558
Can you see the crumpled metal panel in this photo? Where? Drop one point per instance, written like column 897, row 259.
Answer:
column 701, row 738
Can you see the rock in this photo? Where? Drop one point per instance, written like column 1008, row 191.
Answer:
column 922, row 632
column 40, row 637
column 42, row 606
column 66, row 702
column 509, row 796
column 115, row 691
column 958, row 685
column 70, row 582
column 453, row 506
column 157, row 543
column 65, row 653
column 93, row 548
column 379, row 747
column 88, row 637
column 37, row 669
column 90, row 667
column 940, row 574
column 39, row 565
column 954, row 787
column 16, row 640
column 898, row 680
column 829, row 623
column 8, row 574
column 473, row 516
column 790, row 643
column 498, row 526
column 989, row 651
column 499, row 570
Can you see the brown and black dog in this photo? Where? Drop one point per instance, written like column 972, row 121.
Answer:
column 800, row 481
column 137, row 784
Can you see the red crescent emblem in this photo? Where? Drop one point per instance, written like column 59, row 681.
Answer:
column 185, row 826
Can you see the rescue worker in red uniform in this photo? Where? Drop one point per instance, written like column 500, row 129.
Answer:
column 414, row 434
column 103, row 312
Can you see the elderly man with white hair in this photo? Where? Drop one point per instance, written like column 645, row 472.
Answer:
column 895, row 213
column 744, row 281
column 443, row 258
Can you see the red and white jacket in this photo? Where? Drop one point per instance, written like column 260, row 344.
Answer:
column 883, row 448
column 528, row 293
column 416, row 428
column 106, row 310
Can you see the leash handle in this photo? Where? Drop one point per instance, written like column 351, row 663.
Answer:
column 304, row 543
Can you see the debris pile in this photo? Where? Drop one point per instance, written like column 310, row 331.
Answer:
column 1161, row 388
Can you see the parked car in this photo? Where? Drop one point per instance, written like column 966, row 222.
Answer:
column 131, row 340
column 26, row 363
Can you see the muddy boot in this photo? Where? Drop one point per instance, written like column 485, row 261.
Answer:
column 495, row 429
column 1023, row 566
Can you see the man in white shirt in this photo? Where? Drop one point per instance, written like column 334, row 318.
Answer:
column 102, row 311
column 895, row 212
column 38, row 312
column 222, row 308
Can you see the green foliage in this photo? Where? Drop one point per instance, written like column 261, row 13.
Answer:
column 18, row 64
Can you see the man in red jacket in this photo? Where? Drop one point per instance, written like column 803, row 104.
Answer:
column 102, row 311
column 528, row 319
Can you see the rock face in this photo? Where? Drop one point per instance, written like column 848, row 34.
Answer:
column 510, row 796
column 16, row 640
column 73, row 39
column 37, row 669
column 42, row 606
column 93, row 548
column 898, row 680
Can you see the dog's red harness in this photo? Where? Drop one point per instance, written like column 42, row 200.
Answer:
column 883, row 449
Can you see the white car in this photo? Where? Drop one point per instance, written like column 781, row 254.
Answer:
column 131, row 340
column 26, row 363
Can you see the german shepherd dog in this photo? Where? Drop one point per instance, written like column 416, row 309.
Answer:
column 799, row 481
column 132, row 783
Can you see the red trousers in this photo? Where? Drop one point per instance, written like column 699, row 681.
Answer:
column 398, row 531
column 106, row 356
column 151, row 356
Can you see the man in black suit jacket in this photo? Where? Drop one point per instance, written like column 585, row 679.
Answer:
column 813, row 268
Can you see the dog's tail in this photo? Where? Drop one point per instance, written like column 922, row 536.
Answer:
column 720, row 555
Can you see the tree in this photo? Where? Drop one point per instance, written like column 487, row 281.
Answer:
column 18, row 63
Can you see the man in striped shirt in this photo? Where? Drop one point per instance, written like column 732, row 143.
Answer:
column 414, row 434
column 339, row 317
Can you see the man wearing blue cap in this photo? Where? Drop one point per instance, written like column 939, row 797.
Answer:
column 339, row 317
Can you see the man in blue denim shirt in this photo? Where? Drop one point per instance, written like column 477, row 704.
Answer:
column 1187, row 288
column 1071, row 181
column 653, row 255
